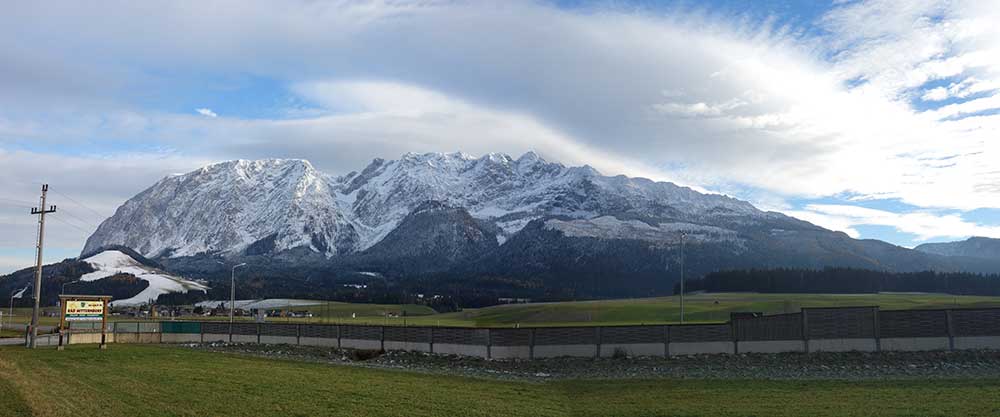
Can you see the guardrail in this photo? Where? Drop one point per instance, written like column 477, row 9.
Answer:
column 811, row 330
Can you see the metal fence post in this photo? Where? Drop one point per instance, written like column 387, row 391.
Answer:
column 950, row 329
column 381, row 338
column 877, row 331
column 531, row 344
column 735, row 335
column 338, row 335
column 298, row 334
column 489, row 344
column 666, row 341
column 597, row 352
column 258, row 333
column 805, row 330
column 432, row 338
column 201, row 332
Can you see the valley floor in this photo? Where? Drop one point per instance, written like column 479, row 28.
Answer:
column 131, row 380
column 703, row 307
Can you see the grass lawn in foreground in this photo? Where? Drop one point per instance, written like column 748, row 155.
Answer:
column 172, row 381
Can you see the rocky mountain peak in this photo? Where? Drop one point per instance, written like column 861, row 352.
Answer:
column 273, row 205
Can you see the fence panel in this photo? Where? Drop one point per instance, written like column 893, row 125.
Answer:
column 361, row 332
column 913, row 323
column 274, row 329
column 767, row 328
column 460, row 336
column 693, row 333
column 408, row 334
column 980, row 322
column 840, row 323
column 180, row 327
column 126, row 327
column 214, row 327
column 566, row 336
column 511, row 337
column 84, row 326
column 632, row 334
column 327, row 331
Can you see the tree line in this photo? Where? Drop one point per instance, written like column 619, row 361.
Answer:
column 844, row 281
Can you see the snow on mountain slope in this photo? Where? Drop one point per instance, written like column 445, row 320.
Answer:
column 113, row 262
column 269, row 206
column 228, row 207
column 608, row 227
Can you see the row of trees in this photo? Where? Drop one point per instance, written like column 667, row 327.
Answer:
column 843, row 280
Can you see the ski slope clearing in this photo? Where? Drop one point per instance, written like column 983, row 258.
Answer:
column 109, row 263
column 267, row 303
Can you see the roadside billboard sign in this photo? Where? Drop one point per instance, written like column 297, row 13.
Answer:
column 85, row 310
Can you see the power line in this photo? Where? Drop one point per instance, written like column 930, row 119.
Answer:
column 71, row 225
column 85, row 222
column 99, row 215
column 18, row 203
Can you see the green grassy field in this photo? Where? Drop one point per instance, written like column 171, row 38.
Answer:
column 171, row 381
column 698, row 308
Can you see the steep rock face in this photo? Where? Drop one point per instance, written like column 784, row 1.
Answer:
column 974, row 247
column 229, row 207
column 434, row 237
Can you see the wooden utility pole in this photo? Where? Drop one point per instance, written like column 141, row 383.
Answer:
column 38, row 269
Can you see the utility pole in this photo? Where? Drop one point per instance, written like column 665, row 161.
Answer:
column 682, row 278
column 38, row 269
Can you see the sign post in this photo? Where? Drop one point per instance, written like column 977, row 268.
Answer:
column 83, row 308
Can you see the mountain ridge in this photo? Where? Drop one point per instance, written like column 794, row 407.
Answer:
column 523, row 225
column 228, row 206
column 975, row 247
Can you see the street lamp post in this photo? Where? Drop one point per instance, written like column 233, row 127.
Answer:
column 10, row 312
column 232, row 293
column 682, row 278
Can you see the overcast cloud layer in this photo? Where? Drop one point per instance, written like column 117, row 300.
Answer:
column 883, row 104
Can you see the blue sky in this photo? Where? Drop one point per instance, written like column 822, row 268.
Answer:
column 876, row 118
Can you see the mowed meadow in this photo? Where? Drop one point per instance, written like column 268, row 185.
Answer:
column 699, row 308
column 704, row 308
column 132, row 380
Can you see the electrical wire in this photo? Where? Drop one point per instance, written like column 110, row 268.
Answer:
column 63, row 221
column 99, row 215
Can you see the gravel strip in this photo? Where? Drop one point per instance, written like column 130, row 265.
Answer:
column 783, row 366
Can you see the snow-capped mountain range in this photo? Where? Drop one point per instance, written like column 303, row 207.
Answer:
column 282, row 204
column 462, row 223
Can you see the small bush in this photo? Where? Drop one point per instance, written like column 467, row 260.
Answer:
column 619, row 353
column 365, row 354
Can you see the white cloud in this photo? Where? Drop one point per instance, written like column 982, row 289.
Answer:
column 206, row 112
column 925, row 225
column 680, row 96
column 85, row 189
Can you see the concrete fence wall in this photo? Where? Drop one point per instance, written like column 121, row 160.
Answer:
column 811, row 330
